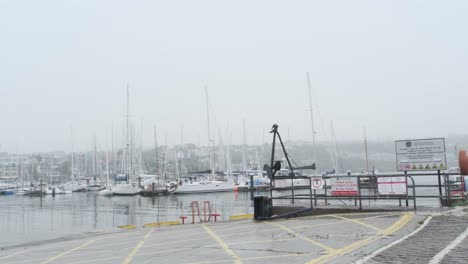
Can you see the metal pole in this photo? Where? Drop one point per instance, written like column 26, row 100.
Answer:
column 326, row 199
column 440, row 186
column 312, row 124
column 289, row 164
column 406, row 189
column 447, row 190
column 315, row 197
column 310, row 192
column 359, row 192
column 414, row 192
column 251, row 188
column 275, row 129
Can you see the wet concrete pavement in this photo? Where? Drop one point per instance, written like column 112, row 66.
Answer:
column 432, row 243
column 341, row 238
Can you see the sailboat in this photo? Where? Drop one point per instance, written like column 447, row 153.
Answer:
column 127, row 187
column 95, row 186
column 209, row 184
column 108, row 190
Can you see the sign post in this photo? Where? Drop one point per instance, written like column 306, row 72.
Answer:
column 317, row 183
column 421, row 154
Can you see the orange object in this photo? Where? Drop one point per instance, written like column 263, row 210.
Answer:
column 463, row 162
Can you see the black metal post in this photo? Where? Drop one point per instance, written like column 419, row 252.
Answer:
column 406, row 189
column 251, row 188
column 359, row 192
column 315, row 197
column 325, row 189
column 274, row 131
column 310, row 192
column 289, row 164
column 440, row 187
column 447, row 190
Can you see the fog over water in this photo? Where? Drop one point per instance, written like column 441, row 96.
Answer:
column 398, row 68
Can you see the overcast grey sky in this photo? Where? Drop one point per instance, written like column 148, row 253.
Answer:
column 398, row 67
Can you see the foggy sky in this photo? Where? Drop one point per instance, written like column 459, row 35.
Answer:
column 397, row 67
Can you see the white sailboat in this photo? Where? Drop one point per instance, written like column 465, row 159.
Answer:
column 206, row 185
column 95, row 186
column 108, row 190
column 128, row 187
column 51, row 190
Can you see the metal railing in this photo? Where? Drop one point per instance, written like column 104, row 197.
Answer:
column 368, row 189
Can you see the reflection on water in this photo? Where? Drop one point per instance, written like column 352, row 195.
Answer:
column 26, row 219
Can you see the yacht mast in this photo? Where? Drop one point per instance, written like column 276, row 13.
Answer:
column 339, row 163
column 72, row 156
column 312, row 123
column 365, row 150
column 244, row 148
column 128, row 160
column 156, row 149
column 209, row 135
column 228, row 154
column 107, row 168
column 164, row 158
column 114, row 160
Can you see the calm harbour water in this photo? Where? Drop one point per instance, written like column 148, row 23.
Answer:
column 25, row 219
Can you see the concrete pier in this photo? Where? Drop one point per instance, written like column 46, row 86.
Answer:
column 337, row 238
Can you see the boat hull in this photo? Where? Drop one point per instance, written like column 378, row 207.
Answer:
column 204, row 188
column 94, row 188
column 106, row 192
column 125, row 190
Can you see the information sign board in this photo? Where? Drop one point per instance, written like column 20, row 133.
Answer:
column 421, row 154
column 392, row 185
column 280, row 183
column 344, row 186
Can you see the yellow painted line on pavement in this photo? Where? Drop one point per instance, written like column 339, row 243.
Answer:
column 127, row 226
column 135, row 250
column 358, row 222
column 316, row 243
column 238, row 217
column 222, row 244
column 69, row 251
column 347, row 249
column 162, row 224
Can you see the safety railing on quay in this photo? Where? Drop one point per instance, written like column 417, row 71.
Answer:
column 447, row 189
